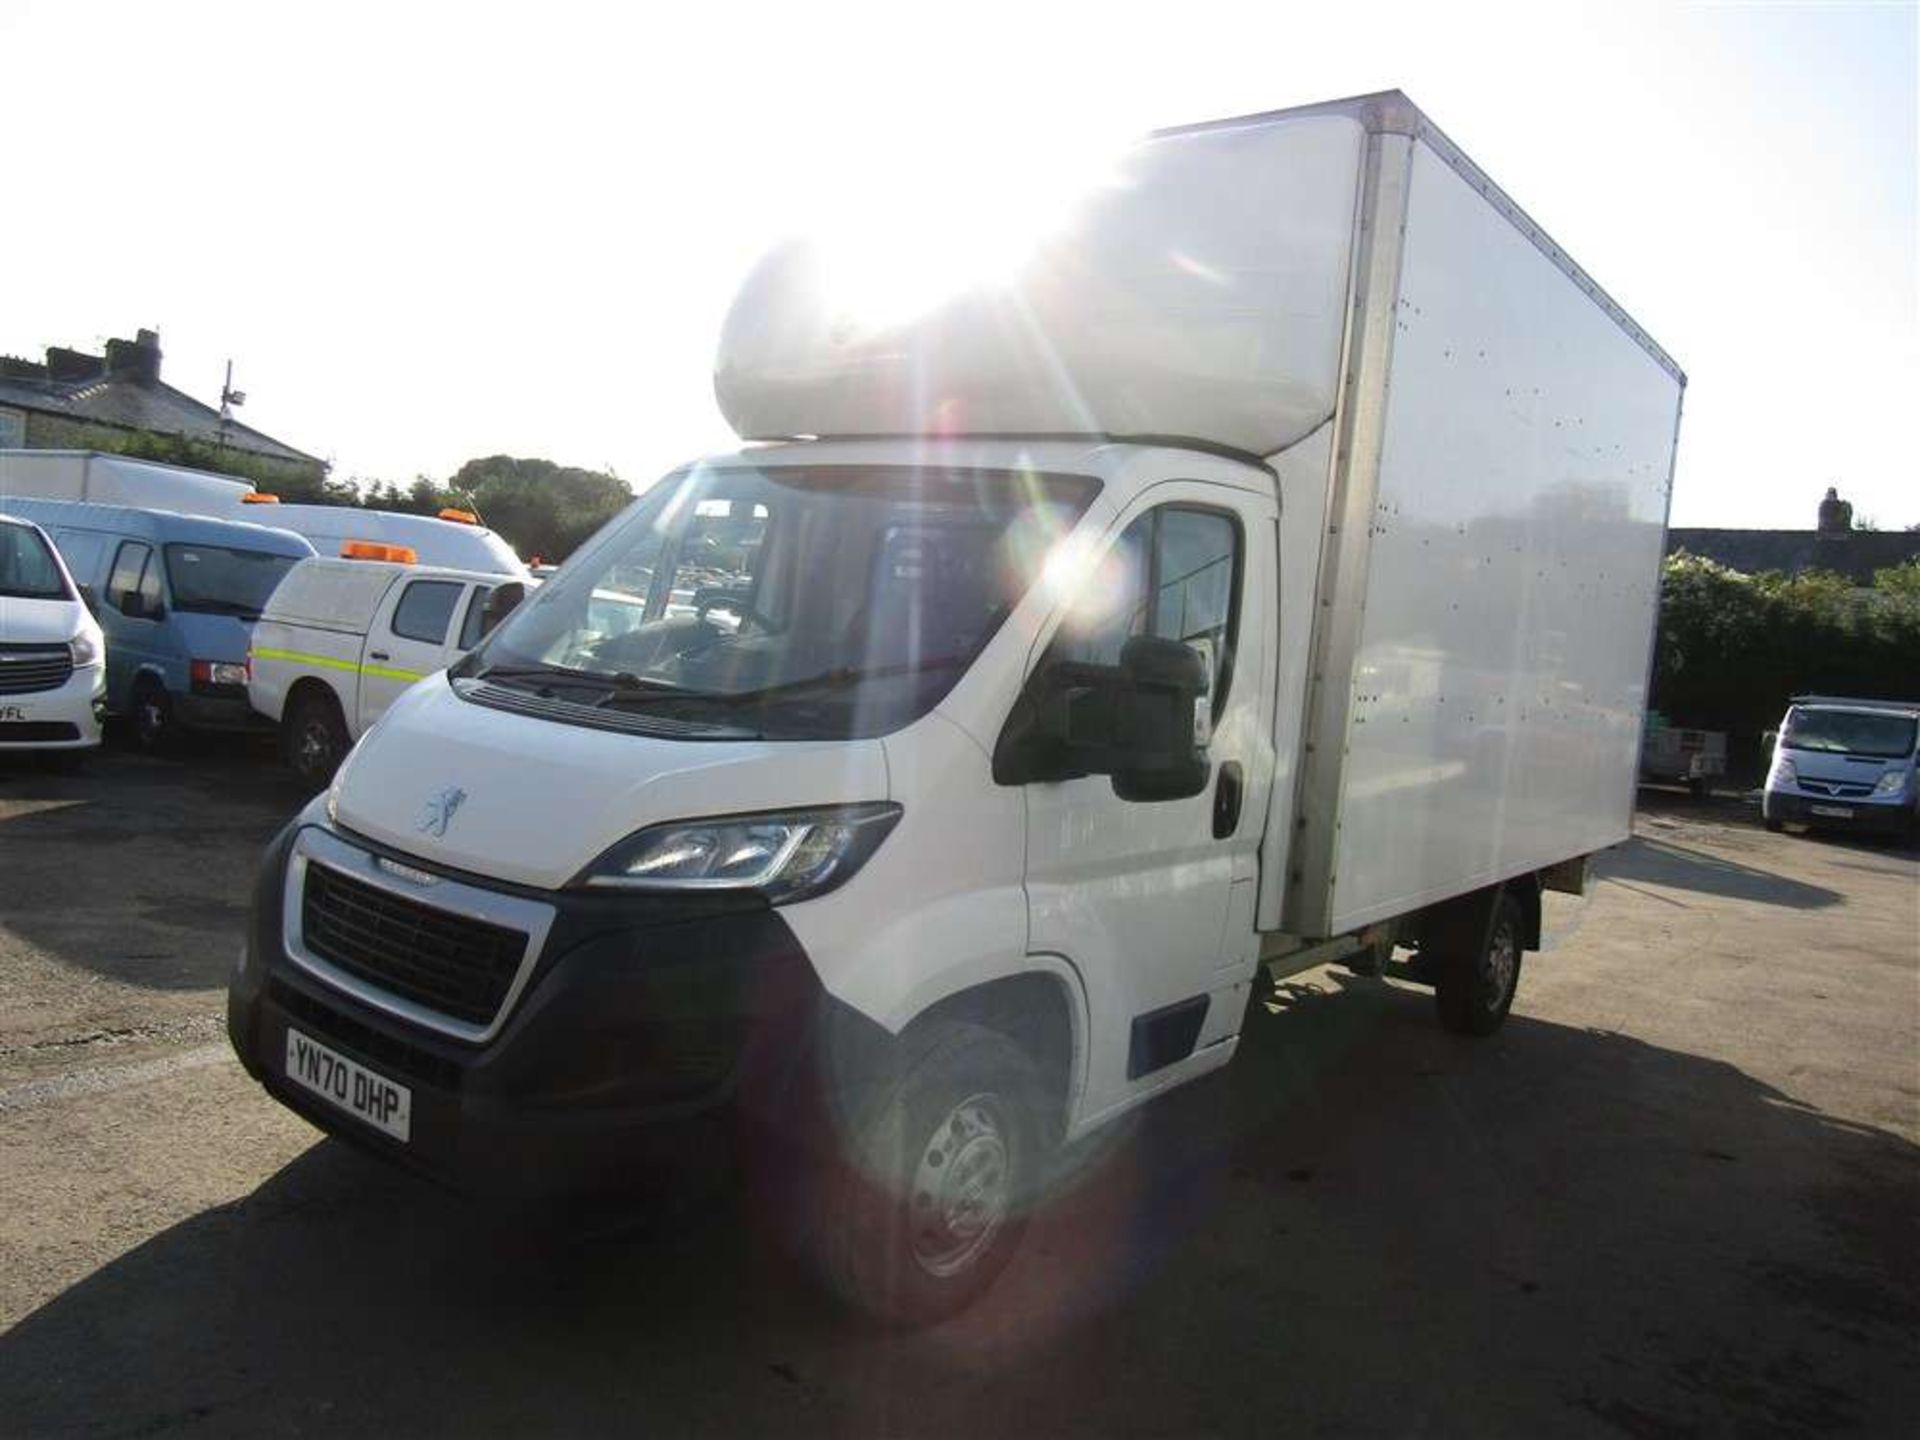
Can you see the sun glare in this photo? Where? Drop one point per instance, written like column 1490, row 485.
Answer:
column 949, row 216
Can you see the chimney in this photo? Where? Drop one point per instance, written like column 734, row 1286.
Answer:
column 137, row 360
column 71, row 365
column 1836, row 515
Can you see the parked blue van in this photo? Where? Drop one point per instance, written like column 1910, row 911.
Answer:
column 177, row 596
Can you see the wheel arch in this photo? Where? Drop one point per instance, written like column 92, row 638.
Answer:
column 308, row 685
column 1042, row 1009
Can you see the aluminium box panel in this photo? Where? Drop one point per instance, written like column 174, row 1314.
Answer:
column 1200, row 293
column 116, row 480
column 1495, row 687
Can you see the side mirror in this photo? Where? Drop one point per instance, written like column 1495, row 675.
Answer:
column 504, row 600
column 1143, row 722
column 90, row 599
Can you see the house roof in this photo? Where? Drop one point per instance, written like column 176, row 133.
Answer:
column 124, row 389
column 1855, row 554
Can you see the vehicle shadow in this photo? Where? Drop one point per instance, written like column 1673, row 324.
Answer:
column 137, row 868
column 1364, row 1225
column 1678, row 867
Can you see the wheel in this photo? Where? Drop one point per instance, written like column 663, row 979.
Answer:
column 1697, row 787
column 313, row 737
column 151, row 715
column 1477, row 969
column 926, row 1201
column 1773, row 825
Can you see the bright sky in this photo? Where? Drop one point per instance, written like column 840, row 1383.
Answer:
column 429, row 234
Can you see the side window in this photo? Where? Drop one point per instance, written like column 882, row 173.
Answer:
column 426, row 609
column 127, row 585
column 476, row 616
column 1196, row 562
column 1173, row 573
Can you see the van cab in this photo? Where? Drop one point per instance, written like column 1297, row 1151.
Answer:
column 52, row 655
column 177, row 596
column 1845, row 764
column 340, row 639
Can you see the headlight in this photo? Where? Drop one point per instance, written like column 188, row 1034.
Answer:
column 85, row 647
column 1783, row 772
column 1891, row 783
column 785, row 856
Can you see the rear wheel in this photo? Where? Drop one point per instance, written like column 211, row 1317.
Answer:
column 925, row 1199
column 1477, row 967
column 313, row 737
column 150, row 717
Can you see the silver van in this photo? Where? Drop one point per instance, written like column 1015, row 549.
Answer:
column 1845, row 764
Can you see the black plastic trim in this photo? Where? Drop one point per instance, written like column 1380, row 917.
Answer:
column 1162, row 1037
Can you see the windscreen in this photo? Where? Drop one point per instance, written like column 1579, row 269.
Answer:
column 28, row 570
column 1850, row 732
column 792, row 602
column 219, row 580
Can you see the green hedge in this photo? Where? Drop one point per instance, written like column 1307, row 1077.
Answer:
column 1733, row 648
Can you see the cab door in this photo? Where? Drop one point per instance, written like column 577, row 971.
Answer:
column 1152, row 901
column 409, row 639
column 133, row 616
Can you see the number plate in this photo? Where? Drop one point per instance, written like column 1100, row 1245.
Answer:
column 1833, row 812
column 382, row 1103
column 13, row 712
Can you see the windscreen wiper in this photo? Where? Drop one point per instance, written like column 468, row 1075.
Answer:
column 628, row 686
column 547, row 675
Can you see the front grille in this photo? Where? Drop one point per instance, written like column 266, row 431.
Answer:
column 1838, row 789
column 26, row 669
column 448, row 963
column 28, row 732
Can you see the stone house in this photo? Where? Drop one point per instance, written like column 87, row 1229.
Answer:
column 117, row 402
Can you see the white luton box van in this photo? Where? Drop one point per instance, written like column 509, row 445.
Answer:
column 1267, row 572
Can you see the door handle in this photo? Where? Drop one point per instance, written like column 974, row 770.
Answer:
column 1227, row 793
column 378, row 655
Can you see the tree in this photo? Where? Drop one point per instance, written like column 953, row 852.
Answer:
column 541, row 508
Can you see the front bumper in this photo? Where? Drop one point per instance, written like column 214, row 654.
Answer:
column 67, row 718
column 647, row 1040
column 1869, row 817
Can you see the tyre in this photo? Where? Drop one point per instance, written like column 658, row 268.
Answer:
column 1477, row 967
column 925, row 1200
column 313, row 737
column 150, row 719
column 1773, row 826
